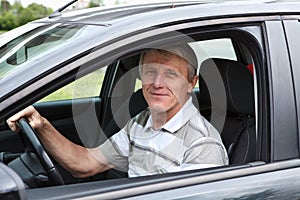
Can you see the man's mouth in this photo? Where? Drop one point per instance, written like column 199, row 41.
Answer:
column 158, row 94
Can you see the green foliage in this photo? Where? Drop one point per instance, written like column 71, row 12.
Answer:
column 17, row 8
column 91, row 5
column 95, row 3
column 87, row 86
column 8, row 21
column 25, row 16
column 39, row 11
column 16, row 15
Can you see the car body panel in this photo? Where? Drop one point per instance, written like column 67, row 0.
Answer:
column 282, row 94
column 292, row 30
column 256, row 181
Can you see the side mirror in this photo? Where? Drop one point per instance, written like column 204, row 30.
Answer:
column 19, row 57
column 11, row 185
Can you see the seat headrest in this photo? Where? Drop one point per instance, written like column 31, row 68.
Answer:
column 238, row 84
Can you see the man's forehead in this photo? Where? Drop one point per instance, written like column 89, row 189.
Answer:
column 181, row 52
column 161, row 66
column 162, row 56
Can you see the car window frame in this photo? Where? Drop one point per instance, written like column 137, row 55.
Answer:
column 105, row 61
column 231, row 31
column 292, row 29
column 281, row 93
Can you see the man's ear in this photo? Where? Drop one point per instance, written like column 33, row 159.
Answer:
column 192, row 84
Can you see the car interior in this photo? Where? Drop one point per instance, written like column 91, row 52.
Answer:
column 225, row 96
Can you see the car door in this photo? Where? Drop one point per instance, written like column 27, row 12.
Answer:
column 276, row 165
column 262, row 41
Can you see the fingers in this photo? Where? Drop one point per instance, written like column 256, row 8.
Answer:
column 12, row 125
column 29, row 113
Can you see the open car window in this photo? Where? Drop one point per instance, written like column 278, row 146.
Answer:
column 227, row 104
column 85, row 87
column 91, row 109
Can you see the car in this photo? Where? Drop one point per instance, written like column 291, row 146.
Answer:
column 79, row 69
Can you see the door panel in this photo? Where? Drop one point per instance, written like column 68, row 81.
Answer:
column 239, row 182
column 65, row 114
column 10, row 142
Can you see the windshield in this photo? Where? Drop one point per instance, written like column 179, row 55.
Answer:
column 34, row 43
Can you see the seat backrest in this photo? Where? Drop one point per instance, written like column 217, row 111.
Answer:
column 238, row 130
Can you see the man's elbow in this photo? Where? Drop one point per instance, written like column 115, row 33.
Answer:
column 88, row 171
column 85, row 173
column 82, row 174
column 92, row 163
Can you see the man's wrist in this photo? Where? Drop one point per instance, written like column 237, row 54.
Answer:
column 44, row 126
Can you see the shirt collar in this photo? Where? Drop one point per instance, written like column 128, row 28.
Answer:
column 179, row 119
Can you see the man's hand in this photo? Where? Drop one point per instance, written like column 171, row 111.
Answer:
column 35, row 120
column 80, row 161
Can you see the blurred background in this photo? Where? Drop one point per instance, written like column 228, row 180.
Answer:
column 14, row 13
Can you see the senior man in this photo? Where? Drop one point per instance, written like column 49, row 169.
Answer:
column 169, row 136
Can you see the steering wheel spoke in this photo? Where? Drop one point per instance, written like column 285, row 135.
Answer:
column 32, row 143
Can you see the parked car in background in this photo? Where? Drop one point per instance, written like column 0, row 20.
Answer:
column 80, row 70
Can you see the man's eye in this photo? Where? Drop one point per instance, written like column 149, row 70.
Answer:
column 171, row 74
column 149, row 72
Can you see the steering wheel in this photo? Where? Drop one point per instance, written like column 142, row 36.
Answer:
column 29, row 135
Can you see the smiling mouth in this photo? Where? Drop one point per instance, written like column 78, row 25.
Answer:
column 158, row 94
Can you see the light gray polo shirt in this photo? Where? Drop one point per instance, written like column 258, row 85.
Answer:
column 187, row 141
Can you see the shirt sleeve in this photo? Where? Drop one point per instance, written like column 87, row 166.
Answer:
column 116, row 150
column 205, row 152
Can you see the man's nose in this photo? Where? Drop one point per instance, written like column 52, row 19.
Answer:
column 158, row 80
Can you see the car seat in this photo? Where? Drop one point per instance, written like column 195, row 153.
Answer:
column 238, row 128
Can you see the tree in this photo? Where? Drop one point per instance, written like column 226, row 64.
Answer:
column 5, row 6
column 17, row 15
column 96, row 3
column 25, row 16
column 16, row 8
column 39, row 11
column 8, row 21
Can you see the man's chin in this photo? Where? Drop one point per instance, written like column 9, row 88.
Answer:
column 157, row 108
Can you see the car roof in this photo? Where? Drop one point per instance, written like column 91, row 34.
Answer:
column 106, row 16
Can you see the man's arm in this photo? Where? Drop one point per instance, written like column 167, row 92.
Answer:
column 80, row 161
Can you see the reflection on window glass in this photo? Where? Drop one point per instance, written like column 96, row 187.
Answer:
column 87, row 86
column 32, row 44
column 215, row 48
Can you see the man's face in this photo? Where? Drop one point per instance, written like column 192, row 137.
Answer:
column 165, row 82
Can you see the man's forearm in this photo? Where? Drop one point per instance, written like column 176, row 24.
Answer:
column 77, row 159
